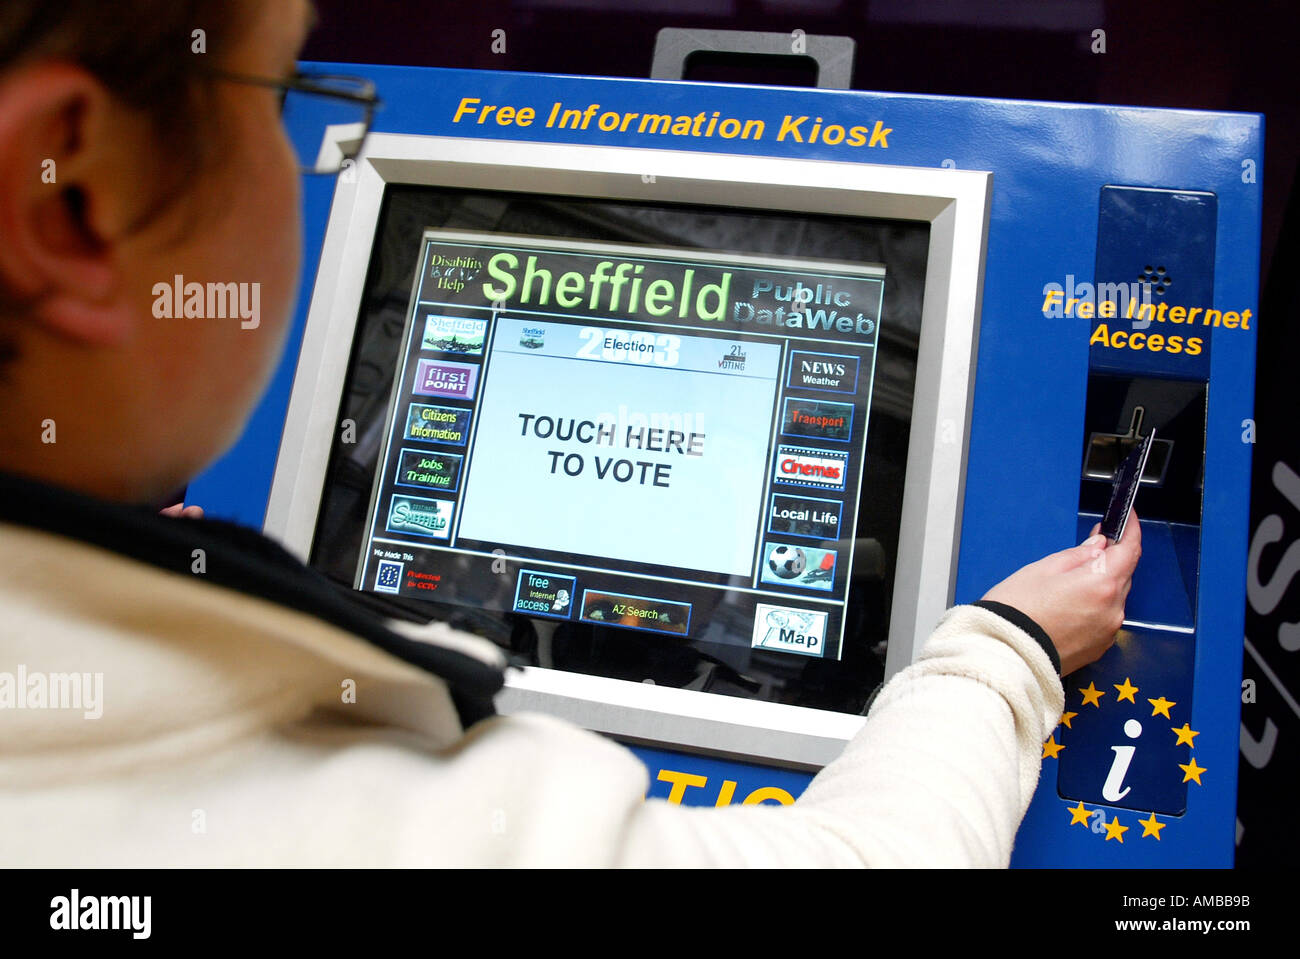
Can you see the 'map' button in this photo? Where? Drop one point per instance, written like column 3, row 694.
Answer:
column 544, row 594
column 801, row 631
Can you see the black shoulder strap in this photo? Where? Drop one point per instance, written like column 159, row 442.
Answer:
column 244, row 560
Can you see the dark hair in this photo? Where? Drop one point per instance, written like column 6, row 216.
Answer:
column 143, row 51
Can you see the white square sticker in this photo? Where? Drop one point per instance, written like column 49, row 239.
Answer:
column 788, row 630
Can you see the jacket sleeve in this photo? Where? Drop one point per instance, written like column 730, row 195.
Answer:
column 941, row 774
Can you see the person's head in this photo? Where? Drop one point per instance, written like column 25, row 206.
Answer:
column 127, row 162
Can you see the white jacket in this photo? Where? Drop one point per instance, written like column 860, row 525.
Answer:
column 224, row 739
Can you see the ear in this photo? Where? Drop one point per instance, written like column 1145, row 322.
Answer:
column 68, row 191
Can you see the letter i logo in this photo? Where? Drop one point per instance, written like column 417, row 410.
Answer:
column 1119, row 767
column 1104, row 772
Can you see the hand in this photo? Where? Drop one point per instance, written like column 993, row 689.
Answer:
column 1078, row 594
column 181, row 511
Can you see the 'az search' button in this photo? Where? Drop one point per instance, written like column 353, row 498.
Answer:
column 636, row 612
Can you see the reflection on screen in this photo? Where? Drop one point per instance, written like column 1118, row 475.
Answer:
column 649, row 441
column 633, row 436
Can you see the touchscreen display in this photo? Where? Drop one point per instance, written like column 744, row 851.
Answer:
column 659, row 442
column 628, row 436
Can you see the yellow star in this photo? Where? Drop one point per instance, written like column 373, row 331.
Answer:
column 1078, row 814
column 1126, row 691
column 1185, row 735
column 1052, row 747
column 1192, row 771
column 1160, row 707
column 1152, row 828
column 1115, row 831
column 1065, row 719
column 1092, row 695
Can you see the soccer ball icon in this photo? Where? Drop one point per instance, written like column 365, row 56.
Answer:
column 787, row 562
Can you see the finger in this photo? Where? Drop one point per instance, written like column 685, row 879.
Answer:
column 171, row 511
column 1085, row 552
column 1123, row 560
column 1125, row 554
column 1136, row 522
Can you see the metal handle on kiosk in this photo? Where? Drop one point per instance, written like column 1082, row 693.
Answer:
column 674, row 46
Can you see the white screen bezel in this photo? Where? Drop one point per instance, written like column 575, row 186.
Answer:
column 955, row 203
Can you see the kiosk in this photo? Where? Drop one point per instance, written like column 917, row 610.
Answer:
column 705, row 401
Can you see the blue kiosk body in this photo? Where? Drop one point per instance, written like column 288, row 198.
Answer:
column 1120, row 292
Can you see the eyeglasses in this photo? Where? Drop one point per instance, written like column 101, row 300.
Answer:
column 327, row 116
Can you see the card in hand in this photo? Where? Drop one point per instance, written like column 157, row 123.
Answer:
column 1127, row 479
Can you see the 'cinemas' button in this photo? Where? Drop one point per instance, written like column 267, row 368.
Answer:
column 636, row 612
column 801, row 466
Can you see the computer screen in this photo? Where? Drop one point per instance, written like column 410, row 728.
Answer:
column 683, row 433
column 650, row 441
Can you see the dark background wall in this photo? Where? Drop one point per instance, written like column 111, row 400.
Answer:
column 1201, row 54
